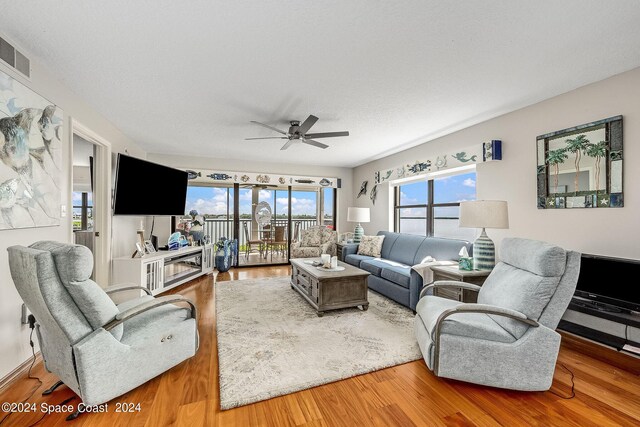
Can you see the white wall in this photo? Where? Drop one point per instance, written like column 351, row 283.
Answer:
column 13, row 335
column 605, row 231
column 345, row 193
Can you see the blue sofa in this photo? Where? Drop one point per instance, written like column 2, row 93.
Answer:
column 396, row 279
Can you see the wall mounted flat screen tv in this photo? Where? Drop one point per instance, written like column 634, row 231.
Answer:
column 146, row 188
column 612, row 281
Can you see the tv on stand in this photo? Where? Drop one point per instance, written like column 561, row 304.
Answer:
column 608, row 284
column 607, row 290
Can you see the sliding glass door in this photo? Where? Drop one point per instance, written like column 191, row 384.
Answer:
column 263, row 225
column 265, row 219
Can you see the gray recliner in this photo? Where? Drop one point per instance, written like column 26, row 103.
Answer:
column 97, row 348
column 508, row 338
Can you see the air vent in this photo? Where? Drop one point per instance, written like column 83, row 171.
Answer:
column 14, row 58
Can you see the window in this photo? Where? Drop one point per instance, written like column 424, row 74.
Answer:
column 215, row 204
column 82, row 211
column 328, row 202
column 432, row 207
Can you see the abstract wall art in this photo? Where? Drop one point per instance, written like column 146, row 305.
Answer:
column 31, row 132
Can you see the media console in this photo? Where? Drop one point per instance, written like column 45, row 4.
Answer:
column 606, row 302
column 164, row 270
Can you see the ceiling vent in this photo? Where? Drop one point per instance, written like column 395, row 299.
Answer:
column 14, row 58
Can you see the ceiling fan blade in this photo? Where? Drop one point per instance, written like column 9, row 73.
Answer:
column 306, row 125
column 314, row 143
column 269, row 127
column 326, row 134
column 288, row 144
column 268, row 137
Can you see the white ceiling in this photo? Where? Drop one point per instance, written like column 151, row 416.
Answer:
column 186, row 77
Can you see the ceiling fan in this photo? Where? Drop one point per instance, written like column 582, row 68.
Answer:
column 298, row 133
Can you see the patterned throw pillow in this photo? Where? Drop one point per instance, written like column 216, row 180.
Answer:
column 370, row 245
column 328, row 235
column 312, row 237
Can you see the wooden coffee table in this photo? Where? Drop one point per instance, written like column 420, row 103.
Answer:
column 330, row 290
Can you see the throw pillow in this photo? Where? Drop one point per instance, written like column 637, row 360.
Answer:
column 95, row 304
column 312, row 237
column 328, row 235
column 370, row 245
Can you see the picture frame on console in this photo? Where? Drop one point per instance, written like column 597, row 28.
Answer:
column 148, row 246
column 140, row 251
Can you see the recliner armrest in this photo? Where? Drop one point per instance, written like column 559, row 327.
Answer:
column 473, row 308
column 148, row 305
column 125, row 287
column 450, row 284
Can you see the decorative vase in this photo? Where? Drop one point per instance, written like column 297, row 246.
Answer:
column 484, row 252
column 357, row 233
column 226, row 254
column 222, row 261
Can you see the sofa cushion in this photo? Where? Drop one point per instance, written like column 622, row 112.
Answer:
column 517, row 289
column 312, row 237
column 411, row 249
column 373, row 266
column 153, row 325
column 305, row 252
column 472, row 325
column 328, row 235
column 74, row 264
column 541, row 258
column 355, row 259
column 398, row 274
column 387, row 245
column 404, row 248
column 370, row 245
column 94, row 303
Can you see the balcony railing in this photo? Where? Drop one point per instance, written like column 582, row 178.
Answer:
column 216, row 228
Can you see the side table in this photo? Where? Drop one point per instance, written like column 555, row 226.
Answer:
column 452, row 272
column 339, row 247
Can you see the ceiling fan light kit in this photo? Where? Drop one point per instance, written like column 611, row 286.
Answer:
column 298, row 133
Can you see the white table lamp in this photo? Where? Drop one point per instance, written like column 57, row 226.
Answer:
column 484, row 214
column 358, row 215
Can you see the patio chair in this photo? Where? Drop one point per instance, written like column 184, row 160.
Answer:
column 279, row 241
column 250, row 244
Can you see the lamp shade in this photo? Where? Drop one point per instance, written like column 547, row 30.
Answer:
column 484, row 214
column 358, row 215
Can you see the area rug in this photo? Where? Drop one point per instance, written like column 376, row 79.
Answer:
column 271, row 342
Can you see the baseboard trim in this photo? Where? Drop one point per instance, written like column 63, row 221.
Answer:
column 14, row 375
column 604, row 353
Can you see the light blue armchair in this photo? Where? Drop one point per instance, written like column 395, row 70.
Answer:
column 508, row 338
column 98, row 349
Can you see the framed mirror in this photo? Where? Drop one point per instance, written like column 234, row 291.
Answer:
column 581, row 167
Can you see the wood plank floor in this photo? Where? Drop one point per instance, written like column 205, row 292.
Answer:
column 405, row 395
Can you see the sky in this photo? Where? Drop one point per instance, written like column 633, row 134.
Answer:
column 211, row 200
column 455, row 188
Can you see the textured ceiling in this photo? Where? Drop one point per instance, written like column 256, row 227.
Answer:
column 186, row 77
